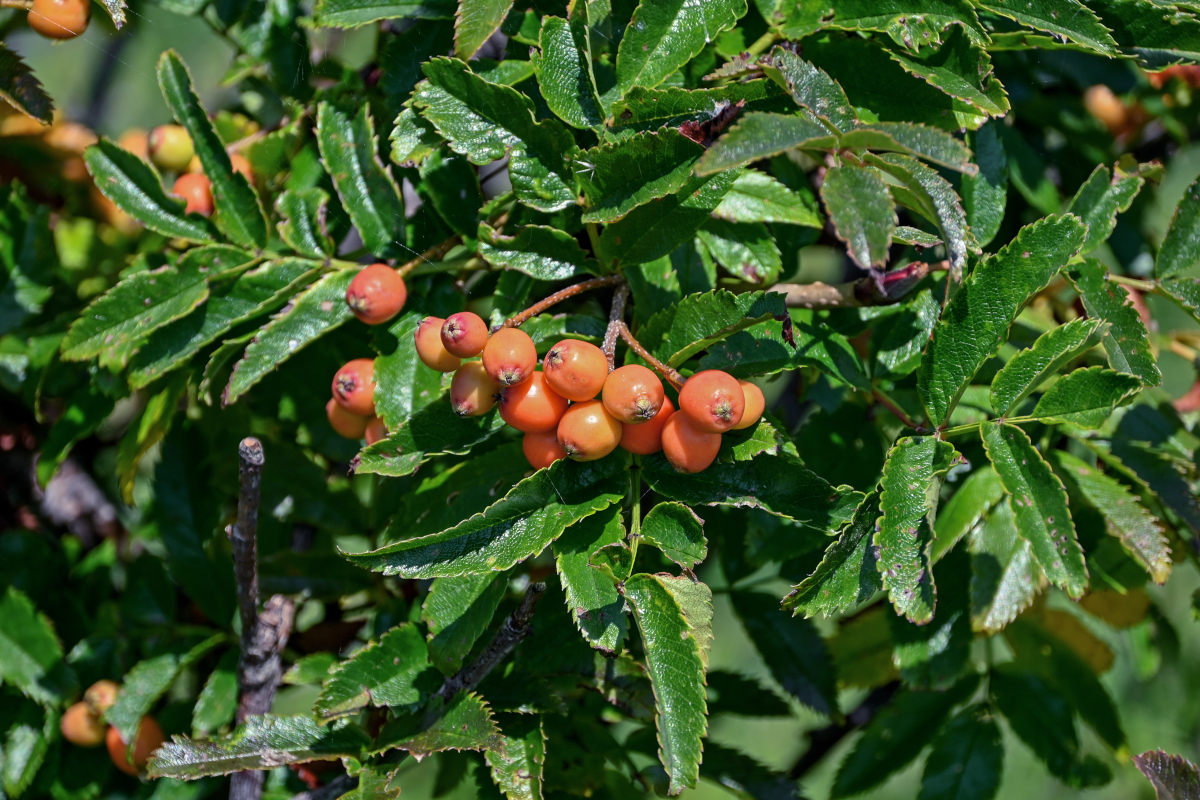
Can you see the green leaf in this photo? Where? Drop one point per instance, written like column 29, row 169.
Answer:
column 1156, row 470
column 810, row 87
column 899, row 338
column 1069, row 19
column 1180, row 250
column 518, row 762
column 475, row 23
column 315, row 312
column 302, row 221
column 28, row 731
column 1005, row 577
column 1039, row 504
column 355, row 13
column 21, row 89
column 1173, row 777
column 676, row 530
column 539, row 251
column 413, row 139
column 451, row 185
column 1028, row 369
column 457, row 611
column 671, row 106
column 257, row 744
column 119, row 320
column 966, row 760
column 965, row 508
column 663, row 36
column 1125, row 517
column 238, row 213
column 962, row 69
column 984, row 195
column 86, row 409
column 1086, row 397
column 757, row 197
column 1185, row 292
column 137, row 190
column 847, row 576
column 1158, row 34
column 1127, row 342
column 896, row 735
column 434, row 430
column 760, row 134
column 936, row 654
column 592, row 598
column 368, row 192
column 27, row 261
column 1101, row 197
column 921, row 141
column 926, row 192
column 564, row 73
column 792, row 649
column 645, row 166
column 33, row 658
column 217, row 702
column 675, row 622
column 910, row 23
column 976, row 321
column 149, row 679
column 746, row 250
column 251, row 294
column 862, row 212
column 520, row 525
column 908, row 501
column 404, row 385
column 700, row 320
column 762, row 350
column 466, row 724
column 384, row 673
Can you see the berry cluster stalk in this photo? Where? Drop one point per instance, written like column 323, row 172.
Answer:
column 670, row 375
column 562, row 294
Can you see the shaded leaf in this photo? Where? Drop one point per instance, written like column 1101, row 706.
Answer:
column 965, row 508
column 926, row 192
column 1173, row 777
column 1086, row 397
column 862, row 212
column 466, row 724
column 475, row 22
column 355, row 13
column 21, row 89
column 1180, row 250
column 302, row 221
column 1005, row 577
column 433, row 430
column 518, row 762
column 217, row 702
column 1067, row 18
column 633, row 171
column 1101, row 197
column 984, row 194
column 33, row 658
column 676, row 530
column 847, row 576
column 663, row 36
column 758, row 197
column 149, row 679
column 961, row 68
column 592, row 598
column 1127, row 342
column 792, row 649
column 384, row 673
column 700, row 320
column 758, row 135
column 966, row 760
column 457, row 612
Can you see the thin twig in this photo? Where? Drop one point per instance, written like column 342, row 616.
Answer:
column 672, row 376
column 615, row 315
column 432, row 254
column 866, row 291
column 559, row 296
column 894, row 407
column 514, row 629
column 821, row 741
column 24, row 4
column 244, row 534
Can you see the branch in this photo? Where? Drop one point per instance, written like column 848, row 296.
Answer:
column 821, row 741
column 616, row 316
column 868, row 290
column 244, row 534
column 672, row 376
column 330, row 791
column 559, row 296
column 514, row 629
column 432, row 254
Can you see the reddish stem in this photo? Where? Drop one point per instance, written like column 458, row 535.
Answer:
column 672, row 377
column 559, row 296
column 615, row 316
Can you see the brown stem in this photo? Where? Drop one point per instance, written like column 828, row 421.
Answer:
column 672, row 376
column 896, row 410
column 244, row 533
column 865, row 291
column 24, row 4
column 615, row 315
column 559, row 296
column 514, row 629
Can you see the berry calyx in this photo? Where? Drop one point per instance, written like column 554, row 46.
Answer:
column 149, row 738
column 345, row 423
column 576, row 370
column 376, row 294
column 171, row 148
column 464, row 334
column 713, row 399
column 81, row 726
column 645, row 438
column 196, row 190
column 688, row 447
column 633, row 394
column 354, row 387
column 375, row 431
column 532, row 406
column 755, row 404
column 473, row 393
column 101, row 696
column 588, row 432
column 430, row 349
column 510, row 356
column 542, row 449
column 60, row 19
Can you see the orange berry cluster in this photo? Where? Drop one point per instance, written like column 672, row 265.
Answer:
column 83, row 725
column 557, row 408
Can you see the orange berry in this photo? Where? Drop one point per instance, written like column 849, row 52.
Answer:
column 136, row 141
column 241, row 165
column 633, row 394
column 510, row 356
column 645, row 438
column 713, row 399
column 430, row 349
column 1106, row 107
column 354, row 387
column 755, row 404
column 376, row 431
column 171, row 148
column 542, row 449
column 464, row 334
column 588, row 432
column 687, row 446
column 345, row 423
column 149, row 739
column 473, row 393
column 101, row 695
column 575, row 369
column 376, row 294
column 60, row 19
column 81, row 726
column 532, row 406
column 196, row 190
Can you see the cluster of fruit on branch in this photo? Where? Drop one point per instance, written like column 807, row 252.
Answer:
column 83, row 725
column 579, row 405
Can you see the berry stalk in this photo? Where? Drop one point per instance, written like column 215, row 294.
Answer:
column 562, row 294
column 670, row 375
column 615, row 316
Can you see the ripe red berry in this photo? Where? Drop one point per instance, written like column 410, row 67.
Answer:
column 588, row 432
column 81, row 726
column 464, row 334
column 354, row 387
column 645, row 438
column 755, row 404
column 149, row 739
column 345, row 423
column 532, row 406
column 60, row 19
column 575, row 369
column 376, row 294
column 473, row 393
column 510, row 356
column 686, row 446
column 171, row 148
column 196, row 190
column 713, row 399
column 430, row 349
column 633, row 394
column 375, row 431
column 101, row 695
column 542, row 449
